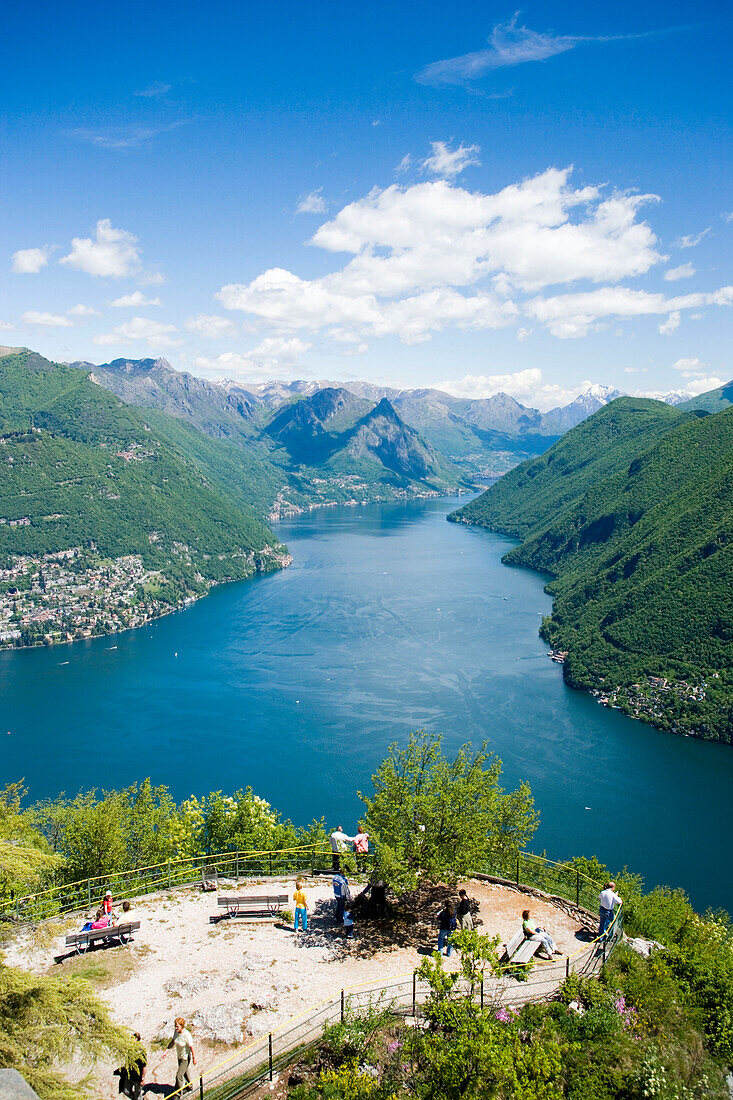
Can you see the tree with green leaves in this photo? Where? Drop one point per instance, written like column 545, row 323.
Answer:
column 439, row 817
column 25, row 855
column 46, row 1019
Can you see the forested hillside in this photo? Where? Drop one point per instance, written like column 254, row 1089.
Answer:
column 642, row 562
column 534, row 493
column 82, row 469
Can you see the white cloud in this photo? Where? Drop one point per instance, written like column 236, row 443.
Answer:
column 523, row 333
column 571, row 315
column 526, row 386
column 692, row 240
column 152, row 278
column 536, row 233
column 274, row 356
column 83, row 311
column 211, row 327
column 690, row 368
column 684, row 271
column 447, row 162
column 509, row 45
column 131, row 301
column 702, row 385
column 5, row 326
column 404, row 165
column 29, row 261
column 635, row 370
column 426, row 257
column 125, row 137
column 727, row 217
column 312, row 203
column 112, row 253
column 154, row 90
column 47, row 320
column 671, row 324
column 156, row 334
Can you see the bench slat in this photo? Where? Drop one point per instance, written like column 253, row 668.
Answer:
column 256, row 901
column 526, row 952
column 103, row 933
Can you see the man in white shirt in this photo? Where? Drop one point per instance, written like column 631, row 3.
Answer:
column 182, row 1042
column 608, row 900
column 339, row 840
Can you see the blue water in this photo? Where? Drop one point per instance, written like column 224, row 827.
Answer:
column 389, row 620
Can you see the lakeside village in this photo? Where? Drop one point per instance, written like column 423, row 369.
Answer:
column 351, row 491
column 75, row 594
column 647, row 700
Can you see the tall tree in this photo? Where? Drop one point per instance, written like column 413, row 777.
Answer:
column 442, row 817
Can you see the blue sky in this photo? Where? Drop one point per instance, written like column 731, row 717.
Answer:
column 420, row 194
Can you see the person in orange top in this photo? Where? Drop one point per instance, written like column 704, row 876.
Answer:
column 301, row 907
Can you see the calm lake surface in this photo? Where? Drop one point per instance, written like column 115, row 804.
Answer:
column 389, row 620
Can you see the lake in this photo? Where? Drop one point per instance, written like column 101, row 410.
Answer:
column 389, row 620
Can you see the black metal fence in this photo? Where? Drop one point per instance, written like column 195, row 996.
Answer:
column 402, row 995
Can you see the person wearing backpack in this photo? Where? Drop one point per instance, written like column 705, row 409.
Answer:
column 447, row 923
column 342, row 895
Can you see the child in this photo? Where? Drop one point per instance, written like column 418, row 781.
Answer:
column 301, row 907
column 349, row 924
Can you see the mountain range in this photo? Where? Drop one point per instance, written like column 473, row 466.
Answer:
column 631, row 515
column 474, row 438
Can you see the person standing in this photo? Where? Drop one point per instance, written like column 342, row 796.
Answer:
column 447, row 923
column 107, row 903
column 608, row 902
column 361, row 841
column 463, row 912
column 301, row 907
column 339, row 841
column 131, row 1075
column 342, row 894
column 182, row 1043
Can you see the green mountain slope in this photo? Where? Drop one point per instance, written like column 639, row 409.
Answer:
column 712, row 401
column 642, row 568
column 363, row 451
column 81, row 467
column 532, row 494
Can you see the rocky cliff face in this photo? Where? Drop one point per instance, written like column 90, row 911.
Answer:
column 383, row 437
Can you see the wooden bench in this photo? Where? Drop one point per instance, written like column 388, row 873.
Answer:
column 82, row 941
column 254, row 905
column 519, row 949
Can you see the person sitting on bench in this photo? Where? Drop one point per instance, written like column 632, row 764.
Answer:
column 537, row 934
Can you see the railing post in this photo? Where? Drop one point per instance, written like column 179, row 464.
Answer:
column 271, row 864
column 342, row 1006
column 201, row 1088
column 237, row 875
column 89, row 892
column 577, row 888
column 567, row 967
column 604, row 949
column 270, row 1054
column 169, row 874
column 414, row 992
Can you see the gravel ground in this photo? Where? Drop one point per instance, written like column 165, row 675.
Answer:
column 240, row 978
